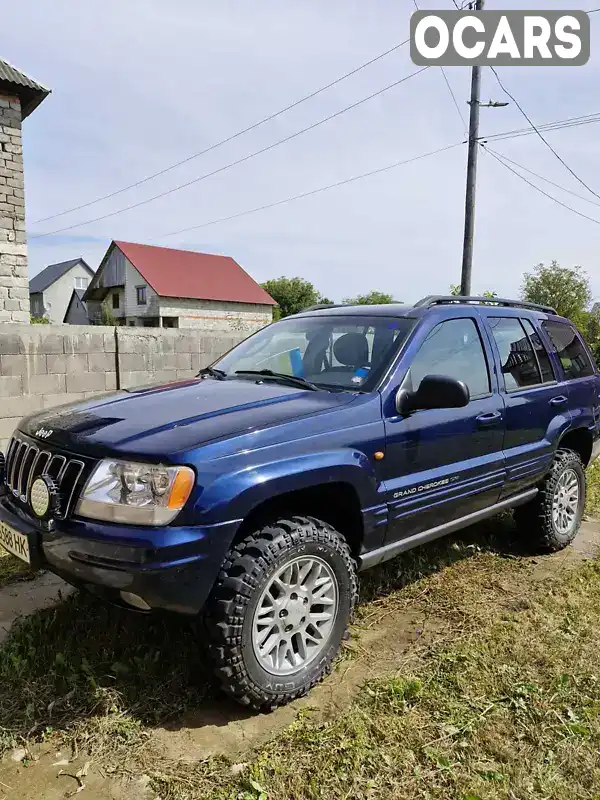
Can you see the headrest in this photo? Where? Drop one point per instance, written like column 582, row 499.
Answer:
column 352, row 350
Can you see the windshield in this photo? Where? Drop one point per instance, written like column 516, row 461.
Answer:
column 329, row 351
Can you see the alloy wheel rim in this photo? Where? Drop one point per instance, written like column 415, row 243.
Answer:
column 565, row 503
column 295, row 615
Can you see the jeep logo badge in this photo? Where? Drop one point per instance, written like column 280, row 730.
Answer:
column 43, row 433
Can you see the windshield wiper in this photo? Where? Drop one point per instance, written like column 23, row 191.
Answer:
column 294, row 380
column 219, row 374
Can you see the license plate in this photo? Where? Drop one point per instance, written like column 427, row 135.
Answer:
column 15, row 542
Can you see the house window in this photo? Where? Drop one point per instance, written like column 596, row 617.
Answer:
column 115, row 300
column 37, row 306
column 141, row 295
column 81, row 283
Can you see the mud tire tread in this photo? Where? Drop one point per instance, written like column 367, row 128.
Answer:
column 237, row 581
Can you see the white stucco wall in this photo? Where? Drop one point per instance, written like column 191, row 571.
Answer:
column 59, row 293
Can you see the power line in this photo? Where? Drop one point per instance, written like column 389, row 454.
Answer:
column 570, row 122
column 232, row 163
column 494, row 137
column 311, row 192
column 460, row 114
column 224, row 141
column 541, row 191
column 548, row 145
column 542, row 178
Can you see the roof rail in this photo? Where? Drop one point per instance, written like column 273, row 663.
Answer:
column 439, row 300
column 321, row 307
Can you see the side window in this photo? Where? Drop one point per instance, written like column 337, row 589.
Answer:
column 573, row 356
column 453, row 348
column 519, row 364
column 540, row 351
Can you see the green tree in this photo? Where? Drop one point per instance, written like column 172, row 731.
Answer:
column 373, row 298
column 455, row 291
column 39, row 320
column 292, row 295
column 591, row 330
column 106, row 316
column 565, row 289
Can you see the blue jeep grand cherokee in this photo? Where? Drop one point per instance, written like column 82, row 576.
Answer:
column 323, row 444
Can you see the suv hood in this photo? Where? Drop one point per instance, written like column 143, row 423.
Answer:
column 163, row 420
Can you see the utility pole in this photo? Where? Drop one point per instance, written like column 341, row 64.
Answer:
column 467, row 260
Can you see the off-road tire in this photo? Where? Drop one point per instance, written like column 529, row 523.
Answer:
column 534, row 519
column 229, row 612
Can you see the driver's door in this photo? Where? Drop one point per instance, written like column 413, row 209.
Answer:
column 443, row 464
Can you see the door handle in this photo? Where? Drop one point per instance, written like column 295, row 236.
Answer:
column 488, row 418
column 558, row 401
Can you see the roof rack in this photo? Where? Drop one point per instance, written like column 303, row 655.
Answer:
column 439, row 300
column 322, row 306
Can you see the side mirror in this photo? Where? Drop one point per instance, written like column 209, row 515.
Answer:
column 435, row 391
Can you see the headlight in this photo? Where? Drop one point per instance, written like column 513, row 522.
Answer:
column 137, row 494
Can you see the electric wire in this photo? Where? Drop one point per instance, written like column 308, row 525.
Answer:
column 232, row 163
column 226, row 140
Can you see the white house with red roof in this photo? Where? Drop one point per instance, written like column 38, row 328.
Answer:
column 159, row 287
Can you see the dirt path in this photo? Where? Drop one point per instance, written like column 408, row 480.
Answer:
column 382, row 643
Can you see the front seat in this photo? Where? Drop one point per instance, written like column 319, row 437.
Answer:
column 351, row 350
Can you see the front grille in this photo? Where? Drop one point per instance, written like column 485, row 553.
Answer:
column 26, row 461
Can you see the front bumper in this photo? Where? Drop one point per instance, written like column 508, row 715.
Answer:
column 171, row 568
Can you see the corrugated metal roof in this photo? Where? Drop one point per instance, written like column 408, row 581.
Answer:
column 201, row 276
column 47, row 276
column 30, row 92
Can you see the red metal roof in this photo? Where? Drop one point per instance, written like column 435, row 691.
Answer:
column 201, row 276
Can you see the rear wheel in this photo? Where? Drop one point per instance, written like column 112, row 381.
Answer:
column 553, row 517
column 279, row 611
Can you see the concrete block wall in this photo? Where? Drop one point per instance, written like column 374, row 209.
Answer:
column 215, row 316
column 14, row 283
column 42, row 366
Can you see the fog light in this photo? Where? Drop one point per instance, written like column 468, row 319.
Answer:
column 135, row 601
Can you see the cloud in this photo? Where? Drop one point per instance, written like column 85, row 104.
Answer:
column 142, row 84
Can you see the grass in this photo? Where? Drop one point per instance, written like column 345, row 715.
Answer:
column 97, row 674
column 511, row 709
column 504, row 704
column 88, row 671
column 12, row 569
column 593, row 489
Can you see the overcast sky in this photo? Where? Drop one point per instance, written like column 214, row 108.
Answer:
column 140, row 84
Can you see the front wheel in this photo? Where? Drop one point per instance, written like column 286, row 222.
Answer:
column 279, row 611
column 553, row 517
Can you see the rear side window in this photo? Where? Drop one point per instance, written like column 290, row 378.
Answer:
column 540, row 351
column 453, row 348
column 519, row 364
column 571, row 351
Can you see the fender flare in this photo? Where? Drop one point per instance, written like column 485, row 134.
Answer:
column 236, row 495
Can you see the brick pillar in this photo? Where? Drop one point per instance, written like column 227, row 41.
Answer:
column 14, row 281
